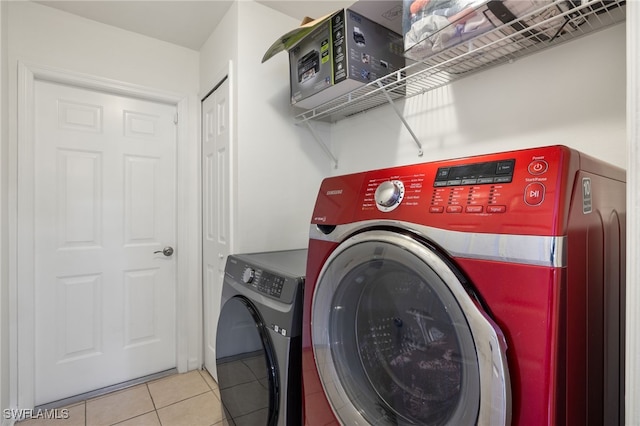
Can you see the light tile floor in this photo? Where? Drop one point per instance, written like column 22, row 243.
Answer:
column 189, row 399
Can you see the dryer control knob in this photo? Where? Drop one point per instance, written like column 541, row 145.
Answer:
column 389, row 194
column 248, row 275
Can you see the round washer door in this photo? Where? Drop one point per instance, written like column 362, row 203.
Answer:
column 246, row 365
column 399, row 341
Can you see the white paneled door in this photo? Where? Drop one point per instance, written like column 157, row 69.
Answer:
column 216, row 210
column 105, row 185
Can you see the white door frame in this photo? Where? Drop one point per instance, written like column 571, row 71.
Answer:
column 22, row 284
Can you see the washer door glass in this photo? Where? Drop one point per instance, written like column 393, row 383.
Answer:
column 246, row 365
column 392, row 335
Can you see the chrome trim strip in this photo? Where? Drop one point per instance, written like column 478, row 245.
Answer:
column 523, row 249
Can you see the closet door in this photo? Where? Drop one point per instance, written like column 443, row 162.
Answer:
column 216, row 210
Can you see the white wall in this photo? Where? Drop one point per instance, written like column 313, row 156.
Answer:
column 278, row 168
column 279, row 173
column 58, row 39
column 220, row 48
column 573, row 94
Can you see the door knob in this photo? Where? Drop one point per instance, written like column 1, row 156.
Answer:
column 167, row 251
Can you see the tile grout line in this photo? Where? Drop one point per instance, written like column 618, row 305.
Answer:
column 181, row 400
column 155, row 408
column 154, row 404
column 153, row 401
column 186, row 399
column 130, row 418
column 151, row 396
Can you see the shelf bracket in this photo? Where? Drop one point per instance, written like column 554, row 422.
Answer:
column 399, row 114
column 320, row 142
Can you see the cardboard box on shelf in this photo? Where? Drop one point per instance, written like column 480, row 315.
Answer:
column 336, row 54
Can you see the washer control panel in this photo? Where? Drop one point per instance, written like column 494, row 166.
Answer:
column 264, row 282
column 486, row 187
column 495, row 193
column 273, row 283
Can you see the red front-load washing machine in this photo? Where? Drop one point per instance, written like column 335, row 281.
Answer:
column 485, row 290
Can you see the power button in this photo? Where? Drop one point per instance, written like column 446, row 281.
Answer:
column 538, row 167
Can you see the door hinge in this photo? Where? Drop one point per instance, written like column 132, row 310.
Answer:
column 175, row 118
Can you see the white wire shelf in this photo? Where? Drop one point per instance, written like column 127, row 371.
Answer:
column 500, row 45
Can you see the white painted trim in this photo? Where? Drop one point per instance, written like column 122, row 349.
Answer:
column 632, row 353
column 182, row 238
column 233, row 157
column 23, row 353
column 22, row 230
column 99, row 83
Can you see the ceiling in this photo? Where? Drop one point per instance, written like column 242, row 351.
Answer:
column 186, row 23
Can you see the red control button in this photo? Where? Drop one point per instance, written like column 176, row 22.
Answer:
column 538, row 167
column 454, row 209
column 496, row 209
column 474, row 209
column 534, row 194
column 436, row 209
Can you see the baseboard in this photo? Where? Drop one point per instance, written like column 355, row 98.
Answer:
column 194, row 364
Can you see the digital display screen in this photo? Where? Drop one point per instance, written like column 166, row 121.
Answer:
column 474, row 174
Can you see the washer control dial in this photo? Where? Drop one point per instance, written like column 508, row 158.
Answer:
column 248, row 275
column 389, row 195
